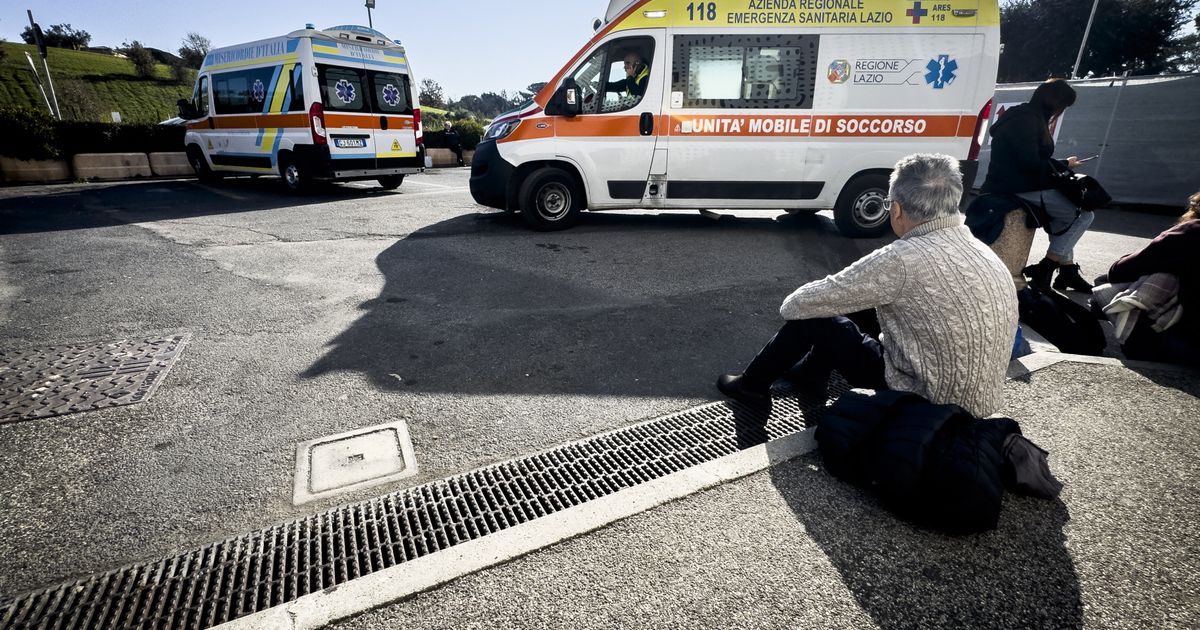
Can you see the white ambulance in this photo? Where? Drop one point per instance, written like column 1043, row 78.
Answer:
column 338, row 104
column 747, row 104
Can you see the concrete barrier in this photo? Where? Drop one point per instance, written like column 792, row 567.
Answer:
column 443, row 158
column 14, row 171
column 170, row 164
column 109, row 166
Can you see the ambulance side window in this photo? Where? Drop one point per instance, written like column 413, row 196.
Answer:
column 200, row 97
column 604, row 79
column 751, row 71
column 296, row 91
column 590, row 77
column 342, row 89
column 243, row 91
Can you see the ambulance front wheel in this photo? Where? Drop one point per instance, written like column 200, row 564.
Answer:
column 200, row 165
column 550, row 200
column 391, row 182
column 860, row 211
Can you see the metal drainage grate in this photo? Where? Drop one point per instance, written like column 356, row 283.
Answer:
column 280, row 564
column 68, row 379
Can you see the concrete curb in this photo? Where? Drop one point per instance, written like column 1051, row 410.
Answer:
column 111, row 166
column 413, row 577
column 1041, row 360
column 170, row 164
column 14, row 171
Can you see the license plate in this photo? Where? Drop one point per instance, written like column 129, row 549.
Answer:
column 350, row 143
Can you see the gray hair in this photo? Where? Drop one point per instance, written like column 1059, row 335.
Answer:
column 928, row 185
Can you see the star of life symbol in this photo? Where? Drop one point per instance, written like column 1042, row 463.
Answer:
column 391, row 95
column 942, row 71
column 258, row 91
column 345, row 91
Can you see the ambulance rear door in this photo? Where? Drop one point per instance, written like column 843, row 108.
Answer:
column 346, row 96
column 391, row 99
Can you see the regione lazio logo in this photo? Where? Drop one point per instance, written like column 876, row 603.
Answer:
column 941, row 71
column 345, row 91
column 839, row 71
column 917, row 12
column 258, row 91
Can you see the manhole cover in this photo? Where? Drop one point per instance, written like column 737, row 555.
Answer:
column 68, row 379
column 354, row 460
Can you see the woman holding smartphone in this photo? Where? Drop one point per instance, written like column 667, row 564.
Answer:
column 1023, row 165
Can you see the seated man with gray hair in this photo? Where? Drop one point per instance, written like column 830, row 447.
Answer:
column 944, row 300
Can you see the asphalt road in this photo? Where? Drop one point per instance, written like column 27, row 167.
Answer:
column 354, row 307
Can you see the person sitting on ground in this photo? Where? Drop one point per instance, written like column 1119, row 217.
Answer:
column 945, row 303
column 1176, row 252
column 637, row 75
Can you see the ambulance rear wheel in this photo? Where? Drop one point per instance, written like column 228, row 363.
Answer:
column 550, row 200
column 860, row 211
column 294, row 178
column 391, row 182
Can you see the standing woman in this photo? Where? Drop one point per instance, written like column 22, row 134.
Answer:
column 1023, row 164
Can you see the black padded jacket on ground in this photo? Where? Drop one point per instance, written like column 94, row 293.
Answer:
column 935, row 465
column 1022, row 152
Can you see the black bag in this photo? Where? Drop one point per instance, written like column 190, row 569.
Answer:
column 1082, row 190
column 1069, row 326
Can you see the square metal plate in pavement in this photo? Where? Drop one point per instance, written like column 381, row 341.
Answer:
column 67, row 379
column 352, row 461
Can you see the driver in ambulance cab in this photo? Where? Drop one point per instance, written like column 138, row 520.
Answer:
column 637, row 75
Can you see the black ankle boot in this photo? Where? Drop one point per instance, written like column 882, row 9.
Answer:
column 1069, row 278
column 1039, row 274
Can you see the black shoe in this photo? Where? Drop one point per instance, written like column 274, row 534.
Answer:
column 734, row 386
column 1039, row 274
column 1070, row 278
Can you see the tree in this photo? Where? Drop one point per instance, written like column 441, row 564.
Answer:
column 181, row 73
column 432, row 94
column 1041, row 39
column 194, row 49
column 59, row 36
column 142, row 60
column 531, row 91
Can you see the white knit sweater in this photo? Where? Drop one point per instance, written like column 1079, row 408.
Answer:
column 946, row 306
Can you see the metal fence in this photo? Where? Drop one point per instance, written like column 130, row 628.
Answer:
column 1146, row 131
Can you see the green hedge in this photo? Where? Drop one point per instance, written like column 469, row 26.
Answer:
column 470, row 133
column 34, row 135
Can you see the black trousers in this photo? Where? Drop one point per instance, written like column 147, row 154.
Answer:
column 458, row 153
column 812, row 348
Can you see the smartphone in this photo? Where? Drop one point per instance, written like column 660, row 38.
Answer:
column 1088, row 159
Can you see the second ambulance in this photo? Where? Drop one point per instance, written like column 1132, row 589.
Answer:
column 747, row 104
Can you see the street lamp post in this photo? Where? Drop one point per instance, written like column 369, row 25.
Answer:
column 370, row 5
column 1083, row 45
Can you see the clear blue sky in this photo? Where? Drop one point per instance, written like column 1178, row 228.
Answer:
column 468, row 46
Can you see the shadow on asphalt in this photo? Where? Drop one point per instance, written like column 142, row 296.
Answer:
column 124, row 203
column 1017, row 576
column 623, row 304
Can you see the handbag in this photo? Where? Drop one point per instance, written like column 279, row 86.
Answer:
column 1082, row 190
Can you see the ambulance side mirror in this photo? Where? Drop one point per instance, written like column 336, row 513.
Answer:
column 186, row 111
column 566, row 101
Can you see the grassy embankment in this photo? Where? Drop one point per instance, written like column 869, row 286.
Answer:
column 89, row 86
